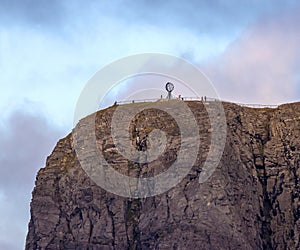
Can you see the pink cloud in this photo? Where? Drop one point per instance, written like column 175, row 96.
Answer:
column 261, row 66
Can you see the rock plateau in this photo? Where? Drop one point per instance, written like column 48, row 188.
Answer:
column 250, row 202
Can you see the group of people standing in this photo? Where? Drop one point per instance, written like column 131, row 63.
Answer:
column 203, row 98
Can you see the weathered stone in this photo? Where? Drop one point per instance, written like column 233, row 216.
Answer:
column 250, row 202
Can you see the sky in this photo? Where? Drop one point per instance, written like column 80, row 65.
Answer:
column 250, row 50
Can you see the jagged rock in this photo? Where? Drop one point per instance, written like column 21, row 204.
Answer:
column 250, row 202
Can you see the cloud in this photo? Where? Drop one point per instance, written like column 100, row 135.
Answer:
column 29, row 12
column 26, row 139
column 53, row 67
column 8, row 246
column 262, row 65
column 203, row 16
column 209, row 16
column 51, row 63
column 49, row 50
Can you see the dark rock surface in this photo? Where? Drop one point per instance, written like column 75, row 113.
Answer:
column 250, row 202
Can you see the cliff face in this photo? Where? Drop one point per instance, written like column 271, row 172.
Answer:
column 250, row 202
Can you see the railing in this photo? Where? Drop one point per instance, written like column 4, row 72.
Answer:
column 204, row 99
column 137, row 101
column 258, row 106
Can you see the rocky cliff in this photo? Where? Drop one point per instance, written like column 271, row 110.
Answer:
column 250, row 202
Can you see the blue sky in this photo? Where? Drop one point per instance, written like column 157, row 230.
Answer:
column 49, row 50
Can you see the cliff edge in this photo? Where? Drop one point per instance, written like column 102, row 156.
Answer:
column 250, row 202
